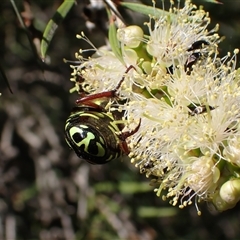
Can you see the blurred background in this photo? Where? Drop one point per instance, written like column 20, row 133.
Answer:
column 46, row 192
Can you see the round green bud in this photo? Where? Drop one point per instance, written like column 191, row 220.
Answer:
column 230, row 191
column 131, row 36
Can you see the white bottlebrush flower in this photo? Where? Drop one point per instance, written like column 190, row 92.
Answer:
column 172, row 35
column 186, row 97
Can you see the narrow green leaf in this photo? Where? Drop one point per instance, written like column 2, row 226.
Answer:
column 33, row 47
column 4, row 77
column 213, row 1
column 144, row 9
column 18, row 14
column 27, row 194
column 134, row 187
column 53, row 25
column 153, row 212
column 114, row 43
column 127, row 187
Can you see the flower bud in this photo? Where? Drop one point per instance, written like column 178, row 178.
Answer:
column 131, row 36
column 230, row 191
column 220, row 204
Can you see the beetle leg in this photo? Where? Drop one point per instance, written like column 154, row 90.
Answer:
column 124, row 135
column 87, row 100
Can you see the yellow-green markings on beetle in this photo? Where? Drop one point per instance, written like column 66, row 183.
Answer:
column 114, row 128
column 97, row 115
column 117, row 155
column 86, row 141
column 100, row 145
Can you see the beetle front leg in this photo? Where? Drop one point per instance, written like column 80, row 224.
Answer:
column 124, row 135
column 88, row 100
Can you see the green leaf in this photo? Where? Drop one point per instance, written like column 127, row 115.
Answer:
column 53, row 25
column 151, row 212
column 144, row 9
column 134, row 187
column 114, row 43
column 29, row 36
column 213, row 1
column 127, row 187
column 4, row 77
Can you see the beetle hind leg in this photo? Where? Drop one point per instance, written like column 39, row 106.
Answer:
column 124, row 135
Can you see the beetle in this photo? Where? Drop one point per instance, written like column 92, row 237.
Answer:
column 196, row 110
column 93, row 133
column 195, row 55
